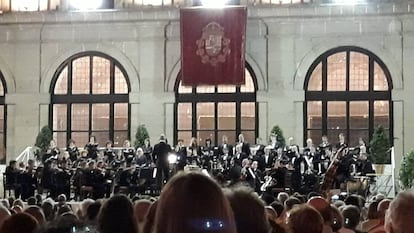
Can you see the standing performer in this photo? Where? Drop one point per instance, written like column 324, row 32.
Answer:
column 160, row 152
column 147, row 148
column 331, row 173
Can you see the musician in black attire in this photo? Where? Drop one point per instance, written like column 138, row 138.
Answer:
column 109, row 153
column 92, row 148
column 46, row 180
column 364, row 166
column 11, row 173
column 245, row 145
column 181, row 152
column 341, row 142
column 207, row 152
column 225, row 145
column 266, row 160
column 52, row 152
column 61, row 179
column 28, row 180
column 128, row 152
column 325, row 151
column 160, row 152
column 147, row 149
column 73, row 151
column 343, row 172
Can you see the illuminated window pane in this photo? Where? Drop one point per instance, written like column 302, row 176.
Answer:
column 231, row 136
column 120, row 137
column 336, row 115
column 358, row 115
column 61, row 86
column 80, row 117
column 336, row 80
column 184, row 89
column 60, row 117
column 333, row 136
column 248, row 116
column 155, row 2
column 80, row 76
column 100, row 116
column 249, row 136
column 248, row 85
column 185, row 136
column 101, row 137
column 226, row 89
column 358, row 72
column 26, row 5
column 184, row 116
column 315, row 114
column 205, row 116
column 100, row 76
column 81, row 138
column 60, row 138
column 315, row 135
column 226, row 116
column 354, row 136
column 205, row 89
column 381, row 114
column 2, row 120
column 315, row 82
column 203, row 135
column 121, row 116
column 121, row 86
column 380, row 81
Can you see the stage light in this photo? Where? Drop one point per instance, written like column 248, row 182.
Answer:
column 86, row 4
column 213, row 3
column 172, row 158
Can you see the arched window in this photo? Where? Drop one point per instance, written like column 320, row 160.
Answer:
column 348, row 90
column 214, row 111
column 3, row 114
column 90, row 96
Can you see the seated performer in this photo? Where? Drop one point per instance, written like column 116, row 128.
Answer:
column 109, row 153
column 52, row 152
column 331, row 173
column 325, row 151
column 225, row 145
column 194, row 152
column 73, row 151
column 92, row 148
column 147, row 149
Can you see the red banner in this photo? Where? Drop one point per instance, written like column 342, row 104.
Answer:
column 213, row 45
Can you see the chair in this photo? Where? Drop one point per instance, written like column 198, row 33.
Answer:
column 6, row 186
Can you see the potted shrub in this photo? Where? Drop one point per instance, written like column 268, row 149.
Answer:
column 380, row 149
column 406, row 175
column 42, row 142
column 140, row 135
column 278, row 131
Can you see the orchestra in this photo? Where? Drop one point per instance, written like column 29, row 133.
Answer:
column 98, row 172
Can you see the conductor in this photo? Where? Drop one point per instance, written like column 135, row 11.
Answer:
column 160, row 156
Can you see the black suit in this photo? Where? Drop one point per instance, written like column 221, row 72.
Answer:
column 229, row 148
column 266, row 163
column 160, row 152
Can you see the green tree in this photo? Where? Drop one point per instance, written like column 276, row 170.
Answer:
column 278, row 131
column 140, row 135
column 407, row 171
column 42, row 141
column 380, row 147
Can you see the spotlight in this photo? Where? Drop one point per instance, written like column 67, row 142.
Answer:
column 172, row 158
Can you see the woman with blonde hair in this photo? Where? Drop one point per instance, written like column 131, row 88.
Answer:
column 193, row 203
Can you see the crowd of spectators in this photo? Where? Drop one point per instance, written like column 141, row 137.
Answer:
column 192, row 202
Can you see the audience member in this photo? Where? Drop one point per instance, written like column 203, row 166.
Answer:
column 92, row 213
column 141, row 208
column 4, row 214
column 37, row 213
column 192, row 202
column 400, row 215
column 372, row 217
column 19, row 223
column 323, row 207
column 117, row 215
column 303, row 218
column 150, row 218
column 249, row 210
column 351, row 216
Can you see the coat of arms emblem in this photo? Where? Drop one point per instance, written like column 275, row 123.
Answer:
column 213, row 47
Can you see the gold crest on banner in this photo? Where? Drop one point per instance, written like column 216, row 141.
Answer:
column 213, row 47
